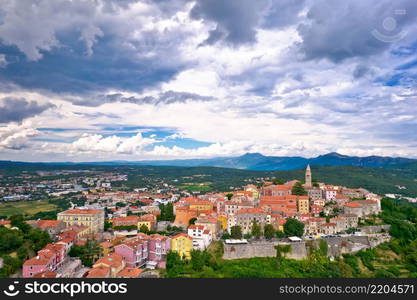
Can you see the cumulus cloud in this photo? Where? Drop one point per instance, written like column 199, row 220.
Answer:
column 17, row 109
column 16, row 137
column 228, row 77
column 112, row 144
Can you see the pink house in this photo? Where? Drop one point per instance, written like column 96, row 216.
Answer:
column 48, row 259
column 134, row 251
column 158, row 248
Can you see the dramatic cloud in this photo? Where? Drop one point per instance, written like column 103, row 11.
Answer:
column 154, row 79
column 344, row 29
column 18, row 109
column 16, row 137
column 112, row 144
column 167, row 97
column 235, row 20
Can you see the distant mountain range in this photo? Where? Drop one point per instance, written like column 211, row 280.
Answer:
column 257, row 161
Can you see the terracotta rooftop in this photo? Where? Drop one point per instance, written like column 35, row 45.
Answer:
column 45, row 274
column 114, row 260
column 99, row 272
column 353, row 205
column 193, row 227
column 48, row 223
column 130, row 272
column 81, row 212
column 37, row 260
column 181, row 235
column 251, row 211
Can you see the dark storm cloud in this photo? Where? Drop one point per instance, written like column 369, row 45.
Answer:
column 282, row 13
column 18, row 109
column 338, row 30
column 82, row 46
column 360, row 71
column 236, row 20
column 167, row 97
column 69, row 70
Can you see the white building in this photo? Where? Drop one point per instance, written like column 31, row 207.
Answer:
column 201, row 236
column 330, row 195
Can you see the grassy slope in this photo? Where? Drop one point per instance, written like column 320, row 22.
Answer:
column 25, row 207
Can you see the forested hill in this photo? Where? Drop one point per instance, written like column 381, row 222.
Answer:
column 381, row 180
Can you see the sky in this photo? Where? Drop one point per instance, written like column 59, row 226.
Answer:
column 93, row 80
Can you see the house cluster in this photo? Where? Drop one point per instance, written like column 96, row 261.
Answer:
column 73, row 227
column 53, row 260
column 324, row 210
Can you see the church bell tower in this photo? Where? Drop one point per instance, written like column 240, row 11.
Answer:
column 308, row 184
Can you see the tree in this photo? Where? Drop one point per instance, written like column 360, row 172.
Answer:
column 19, row 222
column 323, row 247
column 282, row 250
column 143, row 228
column 236, row 232
column 167, row 212
column 280, row 234
column 199, row 259
column 192, row 221
column 107, row 225
column 269, row 231
column 293, row 227
column 88, row 253
column 277, row 181
column 225, row 236
column 256, row 230
column 173, row 259
column 229, row 196
column 299, row 190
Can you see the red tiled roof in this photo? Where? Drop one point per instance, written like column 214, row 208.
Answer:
column 353, row 205
column 99, row 272
column 48, row 223
column 78, row 211
column 45, row 274
column 114, row 260
column 37, row 260
column 181, row 235
column 200, row 227
column 130, row 272
column 251, row 211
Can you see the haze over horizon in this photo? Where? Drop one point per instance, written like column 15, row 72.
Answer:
column 136, row 80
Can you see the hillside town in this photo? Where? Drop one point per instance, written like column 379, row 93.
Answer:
column 130, row 234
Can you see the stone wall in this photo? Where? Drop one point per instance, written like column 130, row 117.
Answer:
column 375, row 228
column 263, row 249
column 299, row 250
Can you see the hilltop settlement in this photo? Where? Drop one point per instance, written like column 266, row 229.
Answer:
column 129, row 234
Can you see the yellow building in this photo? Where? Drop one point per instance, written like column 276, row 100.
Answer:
column 148, row 224
column 91, row 218
column 223, row 221
column 182, row 244
column 303, row 204
column 201, row 205
column 148, row 220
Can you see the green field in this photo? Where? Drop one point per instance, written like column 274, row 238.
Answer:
column 26, row 207
column 197, row 187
